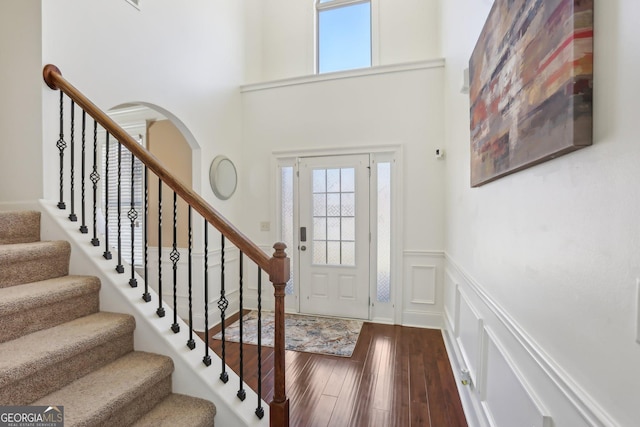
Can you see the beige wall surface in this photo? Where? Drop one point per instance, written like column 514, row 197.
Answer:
column 166, row 142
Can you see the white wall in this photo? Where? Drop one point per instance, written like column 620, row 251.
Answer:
column 20, row 105
column 549, row 256
column 184, row 57
column 280, row 36
column 401, row 108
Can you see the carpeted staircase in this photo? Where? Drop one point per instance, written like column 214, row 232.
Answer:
column 57, row 348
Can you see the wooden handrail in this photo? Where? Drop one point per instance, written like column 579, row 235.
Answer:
column 277, row 266
column 53, row 78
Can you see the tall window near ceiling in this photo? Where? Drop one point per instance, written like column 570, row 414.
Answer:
column 343, row 35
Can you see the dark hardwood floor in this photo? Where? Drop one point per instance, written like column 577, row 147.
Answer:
column 397, row 376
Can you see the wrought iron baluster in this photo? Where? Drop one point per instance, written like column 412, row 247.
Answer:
column 241, row 392
column 207, row 358
column 191, row 343
column 61, row 144
column 175, row 257
column 83, row 226
column 95, row 177
column 133, row 215
column 223, row 303
column 72, row 168
column 260, row 409
column 107, row 252
column 119, row 267
column 160, row 311
column 146, row 296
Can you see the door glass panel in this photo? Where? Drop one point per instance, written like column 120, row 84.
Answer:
column 319, row 181
column 334, row 216
column 349, row 253
column 333, row 228
column 348, row 204
column 347, row 181
column 333, row 252
column 319, row 252
column 287, row 217
column 384, row 232
column 333, row 204
column 320, row 204
column 319, row 228
column 348, row 229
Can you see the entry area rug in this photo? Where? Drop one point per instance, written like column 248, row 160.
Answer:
column 311, row 334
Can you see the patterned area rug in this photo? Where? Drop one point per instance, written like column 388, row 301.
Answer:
column 311, row 334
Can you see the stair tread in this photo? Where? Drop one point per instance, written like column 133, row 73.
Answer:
column 177, row 410
column 36, row 351
column 94, row 398
column 19, row 227
column 23, row 297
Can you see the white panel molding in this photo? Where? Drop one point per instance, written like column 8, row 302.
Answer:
column 451, row 312
column 472, row 353
column 338, row 75
column 430, row 284
column 542, row 418
column 576, row 401
column 422, row 303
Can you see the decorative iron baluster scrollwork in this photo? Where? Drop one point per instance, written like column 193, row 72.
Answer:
column 175, row 257
column 207, row 358
column 223, row 304
column 72, row 165
column 83, row 225
column 95, row 177
column 241, row 392
column 160, row 311
column 146, row 296
column 107, row 252
column 191, row 343
column 61, row 144
column 119, row 267
column 260, row 409
column 133, row 216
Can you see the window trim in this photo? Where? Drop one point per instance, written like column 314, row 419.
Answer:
column 373, row 28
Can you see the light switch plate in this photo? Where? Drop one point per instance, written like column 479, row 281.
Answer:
column 265, row 226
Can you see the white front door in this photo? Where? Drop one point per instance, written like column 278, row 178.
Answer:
column 334, row 235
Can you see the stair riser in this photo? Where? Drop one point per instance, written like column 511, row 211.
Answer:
column 19, row 227
column 139, row 405
column 18, row 268
column 47, row 316
column 51, row 378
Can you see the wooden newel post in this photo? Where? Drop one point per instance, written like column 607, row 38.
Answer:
column 279, row 276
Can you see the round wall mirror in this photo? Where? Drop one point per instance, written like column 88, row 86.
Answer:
column 223, row 177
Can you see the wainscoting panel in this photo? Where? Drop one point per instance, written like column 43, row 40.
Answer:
column 469, row 336
column 513, row 382
column 451, row 301
column 506, row 399
column 422, row 290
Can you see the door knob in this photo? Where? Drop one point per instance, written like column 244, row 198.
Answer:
column 303, row 248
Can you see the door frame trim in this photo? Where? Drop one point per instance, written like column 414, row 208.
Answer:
column 280, row 158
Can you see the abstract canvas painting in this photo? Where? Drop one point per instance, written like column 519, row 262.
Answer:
column 531, row 85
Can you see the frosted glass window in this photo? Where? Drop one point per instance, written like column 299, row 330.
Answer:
column 287, row 218
column 333, row 236
column 384, row 233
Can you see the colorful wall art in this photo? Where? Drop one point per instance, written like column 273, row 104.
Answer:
column 531, row 84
